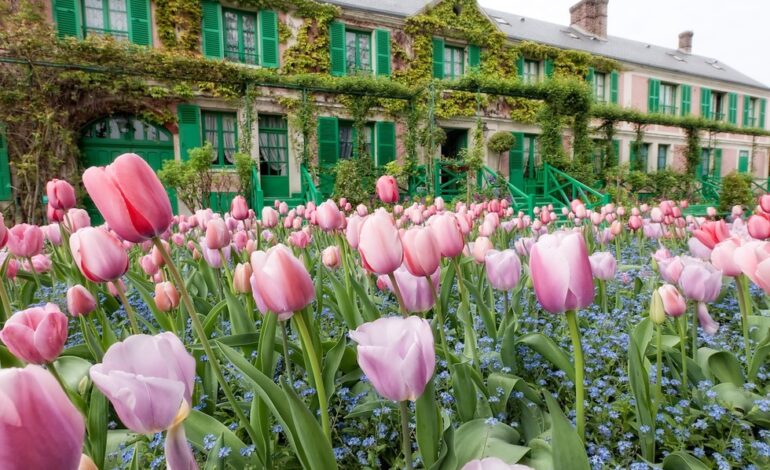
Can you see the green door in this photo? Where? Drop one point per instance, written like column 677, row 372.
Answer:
column 743, row 161
column 105, row 140
column 516, row 161
column 274, row 155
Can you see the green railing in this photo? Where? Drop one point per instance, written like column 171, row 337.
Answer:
column 309, row 190
column 257, row 197
column 448, row 177
column 709, row 187
column 520, row 201
column 563, row 188
column 760, row 185
column 418, row 182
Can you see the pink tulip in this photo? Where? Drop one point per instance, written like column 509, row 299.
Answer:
column 447, row 233
column 280, row 282
column 329, row 217
column 269, row 217
column 421, row 251
column 700, row 281
column 698, row 249
column 415, row 290
column 61, row 194
column 37, row 334
column 166, row 296
column 380, row 245
column 561, row 272
column 723, row 257
column 711, row 233
column 503, row 269
column 480, row 248
column 635, row 223
column 3, row 232
column 52, row 233
column 300, row 239
column 39, row 427
column 40, row 264
column 25, row 241
column 671, row 269
column 331, row 257
column 759, row 226
column 673, row 302
column 603, row 265
column 99, row 255
column 131, row 198
column 213, row 257
column 387, row 189
column 80, row 301
column 493, row 463
column 239, row 209
column 764, row 202
column 217, row 234
column 77, row 219
column 242, row 278
column 353, row 230
column 754, row 260
column 397, row 355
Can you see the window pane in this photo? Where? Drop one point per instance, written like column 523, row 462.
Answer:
column 118, row 16
column 346, row 141
column 350, row 40
column 249, row 39
column 94, row 14
column 231, row 36
column 364, row 45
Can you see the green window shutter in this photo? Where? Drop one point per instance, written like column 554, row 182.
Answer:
column 590, row 77
column 616, row 152
column 382, row 40
column 386, row 142
column 705, row 103
column 66, row 15
column 632, row 156
column 716, row 171
column 139, row 22
column 686, row 99
column 438, row 58
column 189, row 117
column 732, row 108
column 653, row 95
column 743, row 162
column 614, row 86
column 268, row 37
column 337, row 44
column 746, row 110
column 520, row 66
column 212, row 30
column 548, row 68
column 762, row 109
column 474, row 56
column 5, row 169
column 328, row 152
column 516, row 161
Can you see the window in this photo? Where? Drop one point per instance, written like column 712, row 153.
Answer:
column 717, row 105
column 221, row 131
column 454, row 62
column 743, row 161
column 639, row 156
column 667, row 98
column 273, row 146
column 347, row 137
column 600, row 87
column 531, row 71
column 532, row 161
column 241, row 37
column 705, row 162
column 107, row 17
column 358, row 51
column 753, row 112
column 662, row 157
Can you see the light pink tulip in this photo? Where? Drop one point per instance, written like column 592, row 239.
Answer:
column 166, row 296
column 421, row 251
column 131, row 198
column 80, row 301
column 61, row 194
column 280, row 282
column 503, row 269
column 25, row 241
column 380, row 244
column 493, row 463
column 603, row 265
column 40, row 428
column 561, row 272
column 754, row 260
column 217, row 234
column 480, row 248
column 700, row 281
column 331, row 257
column 447, row 233
column 397, row 355
column 415, row 290
column 37, row 334
column 387, row 189
column 329, row 217
column 759, row 226
column 239, row 208
column 673, row 302
column 242, row 278
column 723, row 257
column 99, row 255
column 269, row 217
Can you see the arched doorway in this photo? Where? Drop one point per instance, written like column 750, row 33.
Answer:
column 104, row 140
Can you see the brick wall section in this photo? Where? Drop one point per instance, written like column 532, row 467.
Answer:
column 590, row 16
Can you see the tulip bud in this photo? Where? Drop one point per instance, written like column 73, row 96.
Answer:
column 657, row 314
column 331, row 257
column 80, row 301
column 242, row 278
column 166, row 296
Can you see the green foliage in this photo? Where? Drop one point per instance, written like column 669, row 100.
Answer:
column 631, row 186
column 192, row 178
column 355, row 180
column 736, row 190
column 500, row 142
column 179, row 24
column 243, row 166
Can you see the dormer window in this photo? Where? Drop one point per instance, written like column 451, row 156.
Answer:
column 452, row 61
column 531, row 72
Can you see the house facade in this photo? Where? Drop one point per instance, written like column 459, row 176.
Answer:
column 376, row 38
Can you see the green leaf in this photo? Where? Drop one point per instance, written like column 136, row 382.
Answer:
column 198, row 425
column 7, row 359
column 758, row 359
column 464, row 391
column 214, row 462
column 331, row 365
column 567, row 448
column 370, row 311
column 428, row 417
column 145, row 291
column 546, row 347
column 638, row 377
column 541, row 455
column 366, row 409
column 508, row 383
column 72, row 370
column 96, row 425
column 239, row 319
column 726, row 368
column 681, row 460
column 477, row 440
column 344, row 304
column 447, row 460
column 302, row 428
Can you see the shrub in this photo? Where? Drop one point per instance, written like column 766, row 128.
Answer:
column 355, row 180
column 191, row 178
column 501, row 142
column 736, row 190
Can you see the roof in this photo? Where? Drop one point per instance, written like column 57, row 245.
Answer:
column 621, row 49
column 391, row 7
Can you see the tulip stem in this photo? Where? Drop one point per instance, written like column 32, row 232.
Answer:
column 439, row 316
column 6, row 314
column 579, row 372
column 315, row 366
column 682, row 347
column 200, row 332
column 129, row 310
column 397, row 291
column 33, row 272
column 744, row 301
column 694, row 331
column 658, row 370
column 286, row 357
column 406, row 441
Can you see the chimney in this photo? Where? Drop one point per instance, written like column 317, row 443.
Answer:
column 590, row 16
column 685, row 42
